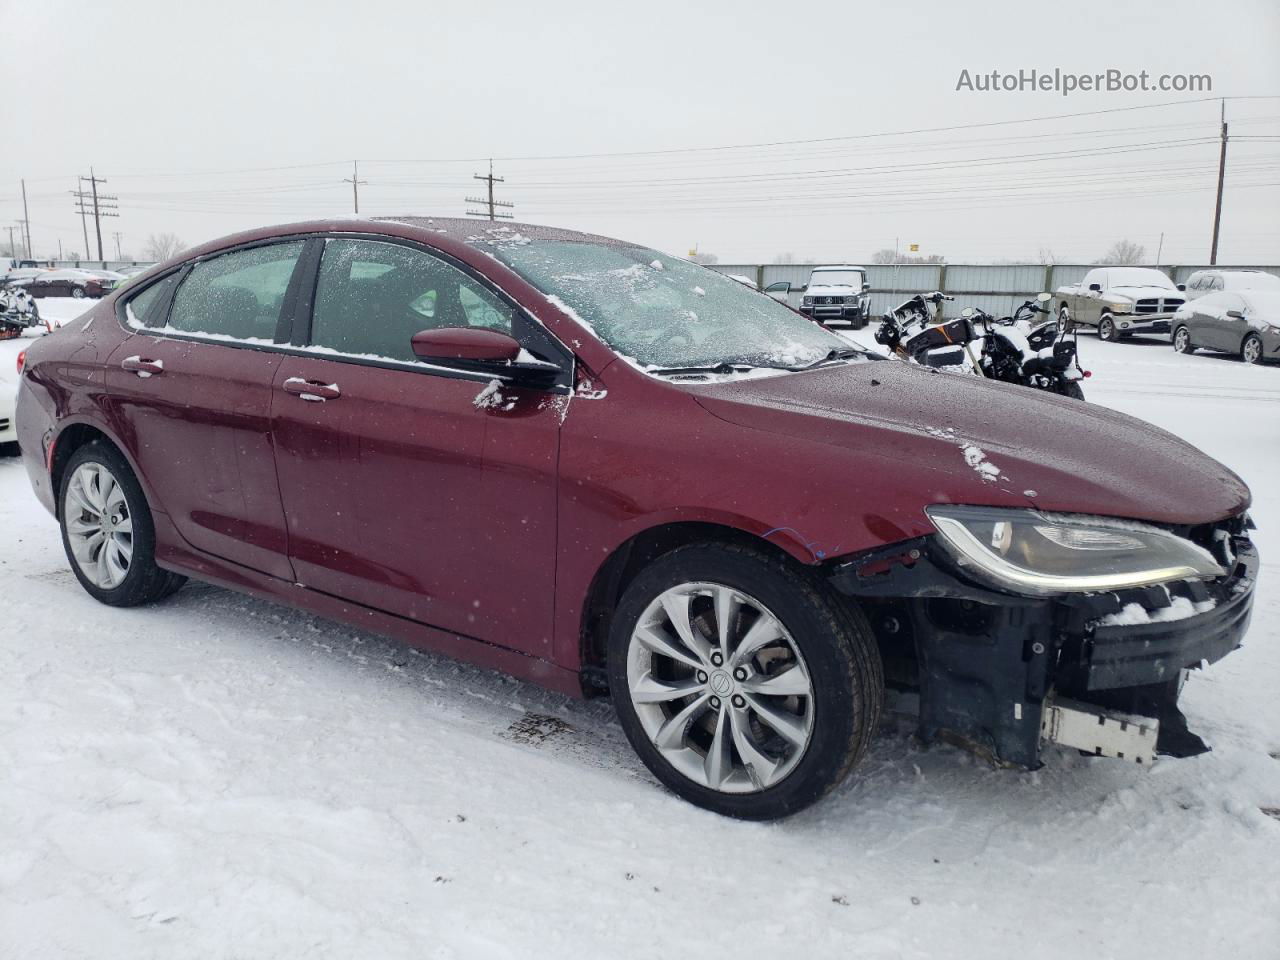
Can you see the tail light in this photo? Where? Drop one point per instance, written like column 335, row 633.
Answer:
column 22, row 359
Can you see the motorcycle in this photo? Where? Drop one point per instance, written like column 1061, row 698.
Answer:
column 18, row 311
column 1033, row 353
column 1014, row 349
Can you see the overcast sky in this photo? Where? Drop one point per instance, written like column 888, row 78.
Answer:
column 208, row 118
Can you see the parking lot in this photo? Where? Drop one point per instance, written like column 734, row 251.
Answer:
column 221, row 776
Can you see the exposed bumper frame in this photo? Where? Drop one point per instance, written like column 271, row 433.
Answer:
column 986, row 661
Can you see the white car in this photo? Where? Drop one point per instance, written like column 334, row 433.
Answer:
column 1211, row 281
column 834, row 293
column 9, row 350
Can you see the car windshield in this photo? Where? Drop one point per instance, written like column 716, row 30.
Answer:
column 1138, row 277
column 667, row 313
column 833, row 278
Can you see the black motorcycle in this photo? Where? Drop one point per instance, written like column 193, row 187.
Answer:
column 1033, row 353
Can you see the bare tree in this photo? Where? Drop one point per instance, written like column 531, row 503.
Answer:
column 1047, row 256
column 1124, row 252
column 787, row 257
column 887, row 255
column 162, row 246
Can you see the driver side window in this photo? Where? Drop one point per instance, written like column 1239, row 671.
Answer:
column 373, row 296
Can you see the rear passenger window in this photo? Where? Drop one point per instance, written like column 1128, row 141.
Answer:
column 147, row 308
column 372, row 297
column 237, row 294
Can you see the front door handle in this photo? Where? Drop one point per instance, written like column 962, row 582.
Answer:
column 142, row 367
column 312, row 390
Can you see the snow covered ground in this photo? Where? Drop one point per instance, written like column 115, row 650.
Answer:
column 222, row 777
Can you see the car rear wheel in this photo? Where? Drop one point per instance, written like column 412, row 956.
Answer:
column 1182, row 341
column 1064, row 321
column 1107, row 329
column 1251, row 349
column 77, row 293
column 108, row 532
column 743, row 687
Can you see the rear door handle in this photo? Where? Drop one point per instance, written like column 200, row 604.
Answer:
column 143, row 368
column 312, row 390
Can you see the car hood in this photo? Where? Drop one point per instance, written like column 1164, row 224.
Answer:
column 1127, row 291
column 962, row 439
column 826, row 289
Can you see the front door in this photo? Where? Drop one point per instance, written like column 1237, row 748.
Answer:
column 421, row 491
column 191, row 393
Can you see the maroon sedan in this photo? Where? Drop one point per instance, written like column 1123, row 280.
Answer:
column 603, row 469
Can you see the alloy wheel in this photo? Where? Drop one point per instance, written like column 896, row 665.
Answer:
column 720, row 688
column 1106, row 329
column 1252, row 350
column 1181, row 340
column 99, row 525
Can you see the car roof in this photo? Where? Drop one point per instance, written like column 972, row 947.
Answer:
column 837, row 266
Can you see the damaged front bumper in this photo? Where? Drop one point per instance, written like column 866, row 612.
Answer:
column 1004, row 674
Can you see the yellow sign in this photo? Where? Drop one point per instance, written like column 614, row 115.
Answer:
column 915, row 248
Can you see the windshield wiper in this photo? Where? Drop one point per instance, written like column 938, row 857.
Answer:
column 724, row 368
column 843, row 353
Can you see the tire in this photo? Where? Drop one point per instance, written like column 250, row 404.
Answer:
column 85, row 501
column 1182, row 341
column 859, row 322
column 818, row 642
column 1064, row 321
column 1107, row 329
column 1072, row 389
column 77, row 293
column 1251, row 349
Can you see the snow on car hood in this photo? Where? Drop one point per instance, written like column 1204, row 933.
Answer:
column 1143, row 291
column 997, row 444
column 828, row 289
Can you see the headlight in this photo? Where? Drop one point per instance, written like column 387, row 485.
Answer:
column 1042, row 554
column 807, row 301
column 1120, row 306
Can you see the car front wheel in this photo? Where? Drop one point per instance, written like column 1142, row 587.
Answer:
column 107, row 530
column 77, row 293
column 1107, row 329
column 1251, row 350
column 742, row 686
column 1182, row 341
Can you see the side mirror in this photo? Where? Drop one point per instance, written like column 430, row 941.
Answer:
column 1043, row 297
column 469, row 346
column 967, row 312
column 1182, row 287
column 866, row 287
column 1235, row 314
column 1095, row 288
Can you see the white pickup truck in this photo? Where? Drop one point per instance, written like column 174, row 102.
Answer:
column 834, row 294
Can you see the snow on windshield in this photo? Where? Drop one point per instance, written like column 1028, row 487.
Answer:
column 1138, row 277
column 664, row 312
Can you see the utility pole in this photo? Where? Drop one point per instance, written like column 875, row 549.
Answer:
column 355, row 182
column 1222, row 172
column 59, row 248
column 103, row 206
column 493, row 213
column 13, row 251
column 26, row 222
column 1160, row 249
column 80, row 198
column 117, row 234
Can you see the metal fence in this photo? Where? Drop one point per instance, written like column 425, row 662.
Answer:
column 996, row 288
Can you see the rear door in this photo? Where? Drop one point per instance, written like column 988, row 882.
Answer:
column 423, row 491
column 191, row 393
